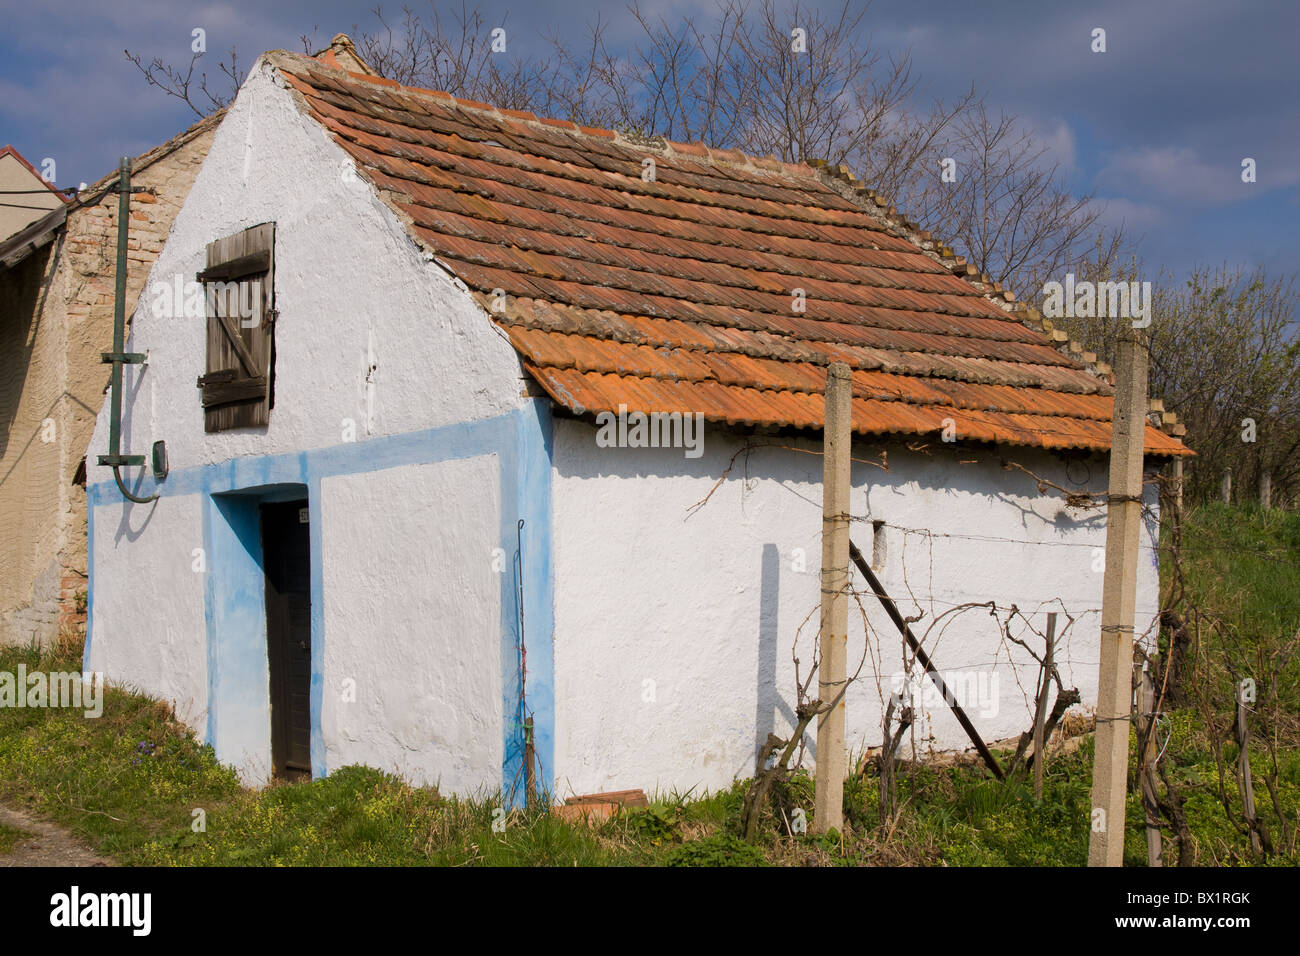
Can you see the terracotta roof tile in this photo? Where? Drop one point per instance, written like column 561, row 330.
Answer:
column 678, row 294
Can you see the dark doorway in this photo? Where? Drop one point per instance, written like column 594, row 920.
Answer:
column 286, row 554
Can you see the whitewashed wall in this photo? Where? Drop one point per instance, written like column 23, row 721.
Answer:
column 158, row 605
column 674, row 632
column 353, row 291
column 413, row 600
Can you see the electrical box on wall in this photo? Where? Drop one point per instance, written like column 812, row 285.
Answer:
column 159, row 460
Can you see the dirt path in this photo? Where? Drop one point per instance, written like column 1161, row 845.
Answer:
column 45, row 844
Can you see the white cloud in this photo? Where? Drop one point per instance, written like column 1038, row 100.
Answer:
column 1179, row 172
column 1118, row 212
column 1057, row 139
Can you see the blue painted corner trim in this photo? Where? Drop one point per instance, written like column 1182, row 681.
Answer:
column 532, row 673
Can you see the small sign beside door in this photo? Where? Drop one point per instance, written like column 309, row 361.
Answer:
column 302, row 515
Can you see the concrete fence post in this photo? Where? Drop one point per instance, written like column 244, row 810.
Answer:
column 1119, row 604
column 828, row 800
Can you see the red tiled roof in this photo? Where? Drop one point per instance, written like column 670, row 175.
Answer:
column 676, row 294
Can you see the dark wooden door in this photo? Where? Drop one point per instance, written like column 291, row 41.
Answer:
column 286, row 554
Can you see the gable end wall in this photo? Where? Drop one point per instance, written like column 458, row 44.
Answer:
column 397, row 415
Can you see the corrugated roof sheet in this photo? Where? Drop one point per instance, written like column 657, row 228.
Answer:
column 678, row 294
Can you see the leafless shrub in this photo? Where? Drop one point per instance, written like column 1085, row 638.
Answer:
column 198, row 98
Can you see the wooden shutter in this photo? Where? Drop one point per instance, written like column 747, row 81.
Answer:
column 238, row 384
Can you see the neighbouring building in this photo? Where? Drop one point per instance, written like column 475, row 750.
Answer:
column 56, row 318
column 399, row 528
column 25, row 195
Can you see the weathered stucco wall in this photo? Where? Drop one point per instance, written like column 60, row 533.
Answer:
column 371, row 340
column 52, row 384
column 410, row 587
column 163, row 602
column 674, row 632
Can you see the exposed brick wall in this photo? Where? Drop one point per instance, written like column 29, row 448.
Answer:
column 58, row 376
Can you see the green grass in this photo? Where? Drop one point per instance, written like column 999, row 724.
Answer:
column 135, row 783
column 1244, row 564
column 1242, row 570
column 139, row 787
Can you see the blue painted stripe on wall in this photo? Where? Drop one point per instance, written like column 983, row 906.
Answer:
column 447, row 443
column 522, row 442
column 316, row 693
column 209, row 623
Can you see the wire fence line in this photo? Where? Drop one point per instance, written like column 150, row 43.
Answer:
column 1010, row 646
column 1289, row 557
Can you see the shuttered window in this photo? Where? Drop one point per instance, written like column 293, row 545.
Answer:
column 239, row 303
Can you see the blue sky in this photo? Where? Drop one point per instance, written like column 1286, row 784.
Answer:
column 1158, row 125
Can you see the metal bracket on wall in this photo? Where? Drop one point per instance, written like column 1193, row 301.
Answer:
column 119, row 356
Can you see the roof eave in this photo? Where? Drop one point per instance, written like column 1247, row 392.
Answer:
column 18, row 247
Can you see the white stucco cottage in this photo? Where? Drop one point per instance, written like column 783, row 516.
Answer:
column 393, row 531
